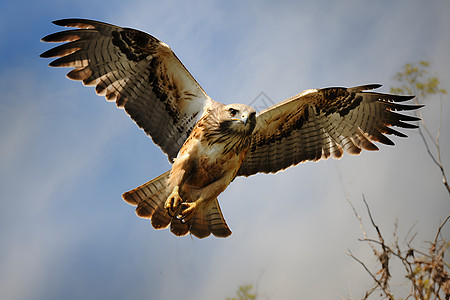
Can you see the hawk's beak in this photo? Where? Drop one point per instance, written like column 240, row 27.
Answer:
column 244, row 118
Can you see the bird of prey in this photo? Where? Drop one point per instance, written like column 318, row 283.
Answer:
column 207, row 142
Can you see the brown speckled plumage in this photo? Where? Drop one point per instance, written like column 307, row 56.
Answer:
column 210, row 143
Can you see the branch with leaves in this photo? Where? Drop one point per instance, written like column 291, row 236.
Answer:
column 244, row 292
column 415, row 80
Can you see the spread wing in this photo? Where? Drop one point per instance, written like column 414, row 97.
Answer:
column 137, row 71
column 317, row 124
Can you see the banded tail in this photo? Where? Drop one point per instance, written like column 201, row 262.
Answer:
column 150, row 198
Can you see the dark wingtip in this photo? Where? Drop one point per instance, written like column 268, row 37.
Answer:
column 57, row 22
column 366, row 87
column 373, row 86
column 80, row 23
column 46, row 38
column 45, row 54
column 402, row 98
column 51, row 38
column 67, row 22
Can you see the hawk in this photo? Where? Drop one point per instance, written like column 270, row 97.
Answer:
column 207, row 142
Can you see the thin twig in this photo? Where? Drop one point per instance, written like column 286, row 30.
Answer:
column 384, row 288
column 371, row 220
column 436, row 159
column 440, row 228
column 384, row 255
column 410, row 86
column 369, row 292
column 409, row 232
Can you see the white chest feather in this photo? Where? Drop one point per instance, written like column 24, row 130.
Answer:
column 214, row 151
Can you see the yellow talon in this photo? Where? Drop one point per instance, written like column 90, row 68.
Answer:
column 187, row 211
column 173, row 202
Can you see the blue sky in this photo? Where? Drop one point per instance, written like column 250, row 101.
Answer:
column 67, row 155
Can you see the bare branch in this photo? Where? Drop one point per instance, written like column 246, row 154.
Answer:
column 426, row 274
column 436, row 160
column 383, row 287
column 409, row 232
column 371, row 220
column 440, row 228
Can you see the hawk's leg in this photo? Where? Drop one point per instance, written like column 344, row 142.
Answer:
column 188, row 209
column 173, row 202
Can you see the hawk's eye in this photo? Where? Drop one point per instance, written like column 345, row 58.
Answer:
column 233, row 112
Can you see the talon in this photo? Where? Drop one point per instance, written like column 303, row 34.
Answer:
column 187, row 211
column 173, row 202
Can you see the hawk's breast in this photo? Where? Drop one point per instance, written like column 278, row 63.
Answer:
column 211, row 161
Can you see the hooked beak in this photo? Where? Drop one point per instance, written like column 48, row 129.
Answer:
column 243, row 118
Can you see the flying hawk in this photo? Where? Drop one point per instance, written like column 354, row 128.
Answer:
column 207, row 142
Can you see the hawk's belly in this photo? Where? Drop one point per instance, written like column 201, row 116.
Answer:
column 207, row 168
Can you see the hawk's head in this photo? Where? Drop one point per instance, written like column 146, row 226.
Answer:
column 238, row 118
column 231, row 125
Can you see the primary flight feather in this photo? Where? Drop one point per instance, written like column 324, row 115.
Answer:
column 207, row 142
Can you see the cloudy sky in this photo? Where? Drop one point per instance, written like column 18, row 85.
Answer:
column 66, row 155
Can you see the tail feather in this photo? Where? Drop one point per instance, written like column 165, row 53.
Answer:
column 178, row 227
column 198, row 224
column 161, row 218
column 215, row 220
column 208, row 219
column 155, row 186
column 150, row 199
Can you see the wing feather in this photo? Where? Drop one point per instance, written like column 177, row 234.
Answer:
column 317, row 124
column 136, row 70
